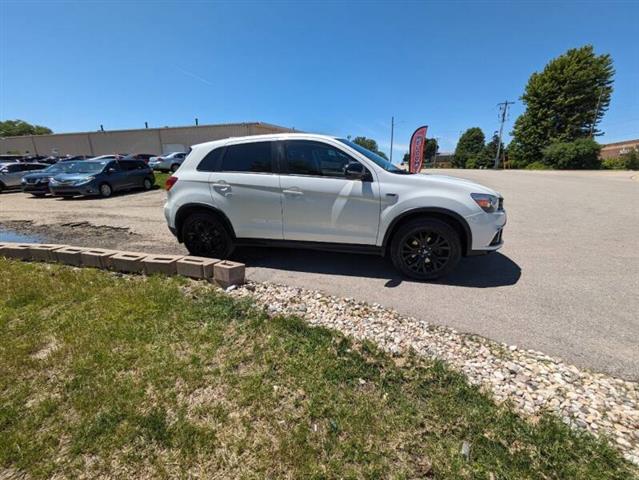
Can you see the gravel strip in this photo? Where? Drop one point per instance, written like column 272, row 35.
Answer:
column 531, row 381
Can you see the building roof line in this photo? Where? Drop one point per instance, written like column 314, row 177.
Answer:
column 151, row 129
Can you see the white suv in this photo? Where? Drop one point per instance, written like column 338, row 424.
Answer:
column 316, row 191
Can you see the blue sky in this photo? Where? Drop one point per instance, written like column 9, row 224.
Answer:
column 340, row 68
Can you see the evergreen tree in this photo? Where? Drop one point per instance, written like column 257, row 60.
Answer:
column 564, row 102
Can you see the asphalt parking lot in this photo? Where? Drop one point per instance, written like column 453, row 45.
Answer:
column 565, row 283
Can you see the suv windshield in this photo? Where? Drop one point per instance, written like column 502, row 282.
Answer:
column 380, row 161
column 59, row 167
column 86, row 167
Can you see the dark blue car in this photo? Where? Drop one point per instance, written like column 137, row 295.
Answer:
column 37, row 184
column 102, row 178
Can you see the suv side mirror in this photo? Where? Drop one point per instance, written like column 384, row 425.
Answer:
column 110, row 170
column 357, row 171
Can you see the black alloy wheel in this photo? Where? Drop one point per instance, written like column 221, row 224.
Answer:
column 426, row 249
column 205, row 236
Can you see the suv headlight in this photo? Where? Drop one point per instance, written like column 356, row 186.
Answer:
column 488, row 203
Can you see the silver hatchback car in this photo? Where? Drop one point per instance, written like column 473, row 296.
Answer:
column 11, row 173
column 167, row 163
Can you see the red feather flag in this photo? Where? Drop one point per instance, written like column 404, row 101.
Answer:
column 417, row 142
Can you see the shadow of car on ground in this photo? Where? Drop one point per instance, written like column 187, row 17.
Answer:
column 485, row 271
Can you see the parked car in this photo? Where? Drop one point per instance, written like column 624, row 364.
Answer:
column 11, row 173
column 315, row 191
column 7, row 158
column 145, row 157
column 167, row 163
column 74, row 158
column 102, row 177
column 37, row 183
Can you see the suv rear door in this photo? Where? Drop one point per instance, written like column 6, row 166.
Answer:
column 245, row 186
column 319, row 203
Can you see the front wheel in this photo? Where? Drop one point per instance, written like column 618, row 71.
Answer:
column 105, row 190
column 205, row 236
column 425, row 249
column 148, row 184
column 174, row 167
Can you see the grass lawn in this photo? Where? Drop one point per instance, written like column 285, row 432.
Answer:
column 153, row 377
column 160, row 178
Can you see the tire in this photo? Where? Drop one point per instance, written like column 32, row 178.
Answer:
column 147, row 184
column 205, row 236
column 106, row 190
column 425, row 249
column 38, row 195
column 1, row 187
column 174, row 167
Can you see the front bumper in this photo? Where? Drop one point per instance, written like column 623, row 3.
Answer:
column 69, row 190
column 487, row 230
column 35, row 187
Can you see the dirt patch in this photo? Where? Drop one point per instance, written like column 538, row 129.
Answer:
column 83, row 234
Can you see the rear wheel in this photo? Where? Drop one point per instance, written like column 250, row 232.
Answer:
column 174, row 167
column 425, row 249
column 105, row 190
column 205, row 236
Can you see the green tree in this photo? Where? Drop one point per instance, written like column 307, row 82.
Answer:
column 487, row 157
column 18, row 128
column 469, row 147
column 369, row 144
column 564, row 102
column 430, row 150
column 579, row 154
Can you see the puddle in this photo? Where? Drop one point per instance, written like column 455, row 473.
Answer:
column 7, row 235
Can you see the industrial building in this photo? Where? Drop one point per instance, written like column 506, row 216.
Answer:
column 145, row 140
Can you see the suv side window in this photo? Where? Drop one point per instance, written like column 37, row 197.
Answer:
column 254, row 157
column 304, row 157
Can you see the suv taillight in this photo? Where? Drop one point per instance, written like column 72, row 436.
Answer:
column 170, row 182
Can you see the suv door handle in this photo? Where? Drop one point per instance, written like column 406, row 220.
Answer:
column 221, row 184
column 294, row 192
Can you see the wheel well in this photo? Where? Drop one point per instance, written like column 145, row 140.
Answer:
column 184, row 212
column 451, row 218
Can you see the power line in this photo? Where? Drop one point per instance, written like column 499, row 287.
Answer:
column 503, row 109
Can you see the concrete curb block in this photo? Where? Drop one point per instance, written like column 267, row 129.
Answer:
column 69, row 255
column 228, row 273
column 196, row 267
column 45, row 252
column 224, row 272
column 165, row 264
column 19, row 251
column 97, row 257
column 127, row 262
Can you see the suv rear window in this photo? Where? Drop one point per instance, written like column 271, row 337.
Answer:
column 252, row 157
column 210, row 163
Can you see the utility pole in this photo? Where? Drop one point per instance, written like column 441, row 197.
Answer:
column 392, row 133
column 594, row 120
column 503, row 109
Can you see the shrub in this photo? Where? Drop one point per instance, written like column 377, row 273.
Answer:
column 537, row 166
column 629, row 161
column 471, row 163
column 579, row 154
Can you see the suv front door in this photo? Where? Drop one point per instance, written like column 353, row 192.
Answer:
column 246, row 188
column 319, row 203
